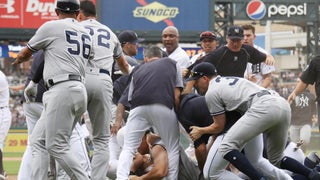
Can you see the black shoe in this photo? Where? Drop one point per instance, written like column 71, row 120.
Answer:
column 312, row 160
column 314, row 175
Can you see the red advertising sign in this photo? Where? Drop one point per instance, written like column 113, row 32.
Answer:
column 26, row 13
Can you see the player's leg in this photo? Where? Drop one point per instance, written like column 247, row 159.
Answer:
column 166, row 125
column 65, row 103
column 294, row 133
column 40, row 158
column 5, row 123
column 135, row 130
column 32, row 112
column 305, row 136
column 253, row 151
column 99, row 109
column 215, row 166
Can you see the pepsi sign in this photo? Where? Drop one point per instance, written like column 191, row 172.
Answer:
column 257, row 10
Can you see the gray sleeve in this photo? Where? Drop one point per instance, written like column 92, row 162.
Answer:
column 179, row 79
column 41, row 39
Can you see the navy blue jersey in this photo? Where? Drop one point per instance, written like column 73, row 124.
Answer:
column 38, row 62
column 312, row 75
column 155, row 82
column 229, row 63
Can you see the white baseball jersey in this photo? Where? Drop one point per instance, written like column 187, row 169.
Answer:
column 264, row 69
column 220, row 96
column 4, row 90
column 63, row 49
column 181, row 57
column 103, row 57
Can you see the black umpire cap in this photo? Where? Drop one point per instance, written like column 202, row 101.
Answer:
column 202, row 69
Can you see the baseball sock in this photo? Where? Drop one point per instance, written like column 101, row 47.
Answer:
column 241, row 162
column 294, row 166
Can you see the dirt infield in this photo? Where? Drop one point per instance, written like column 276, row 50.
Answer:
column 11, row 177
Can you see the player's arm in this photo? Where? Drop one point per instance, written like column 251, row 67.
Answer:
column 23, row 56
column 160, row 165
column 266, row 81
column 269, row 60
column 301, row 86
column 119, row 117
column 123, row 64
column 215, row 128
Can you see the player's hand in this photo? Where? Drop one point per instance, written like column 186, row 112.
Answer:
column 185, row 72
column 115, row 128
column 291, row 97
column 195, row 133
column 17, row 61
column 269, row 60
column 134, row 177
column 30, row 92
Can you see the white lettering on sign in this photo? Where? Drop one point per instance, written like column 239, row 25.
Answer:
column 288, row 11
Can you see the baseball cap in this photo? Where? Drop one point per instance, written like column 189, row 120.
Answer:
column 235, row 32
column 129, row 36
column 202, row 69
column 68, row 5
column 208, row 35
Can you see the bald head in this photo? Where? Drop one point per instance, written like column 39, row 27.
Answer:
column 170, row 38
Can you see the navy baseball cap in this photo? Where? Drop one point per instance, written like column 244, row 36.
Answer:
column 202, row 69
column 129, row 36
column 235, row 32
column 207, row 35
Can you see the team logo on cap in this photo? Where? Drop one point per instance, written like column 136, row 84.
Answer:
column 256, row 9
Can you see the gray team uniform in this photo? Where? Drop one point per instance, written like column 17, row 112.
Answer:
column 67, row 48
column 100, row 89
column 263, row 112
column 151, row 94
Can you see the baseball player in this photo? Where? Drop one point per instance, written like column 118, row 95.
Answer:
column 256, row 104
column 99, row 84
column 170, row 40
column 259, row 73
column 67, row 48
column 208, row 42
column 153, row 106
column 5, row 117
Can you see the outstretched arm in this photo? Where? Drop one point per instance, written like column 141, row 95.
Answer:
column 23, row 55
column 301, row 86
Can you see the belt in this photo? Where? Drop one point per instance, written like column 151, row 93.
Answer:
column 262, row 93
column 258, row 94
column 63, row 78
column 97, row 70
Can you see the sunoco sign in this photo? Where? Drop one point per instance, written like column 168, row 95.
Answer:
column 155, row 12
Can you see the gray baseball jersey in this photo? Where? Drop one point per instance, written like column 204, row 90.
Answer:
column 100, row 89
column 108, row 43
column 65, row 52
column 221, row 95
column 67, row 48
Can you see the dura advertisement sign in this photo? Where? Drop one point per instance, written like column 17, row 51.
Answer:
column 26, row 13
column 155, row 15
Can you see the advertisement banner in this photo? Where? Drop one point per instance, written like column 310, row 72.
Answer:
column 26, row 13
column 186, row 15
column 16, row 142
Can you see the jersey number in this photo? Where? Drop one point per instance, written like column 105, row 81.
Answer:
column 231, row 80
column 103, row 36
column 73, row 38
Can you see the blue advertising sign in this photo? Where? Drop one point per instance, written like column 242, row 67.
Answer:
column 186, row 15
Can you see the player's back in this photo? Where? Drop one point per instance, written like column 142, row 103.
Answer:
column 67, row 47
column 232, row 92
column 106, row 44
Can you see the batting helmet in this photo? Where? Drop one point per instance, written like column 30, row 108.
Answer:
column 68, row 5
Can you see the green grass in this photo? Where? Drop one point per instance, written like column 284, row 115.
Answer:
column 11, row 167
